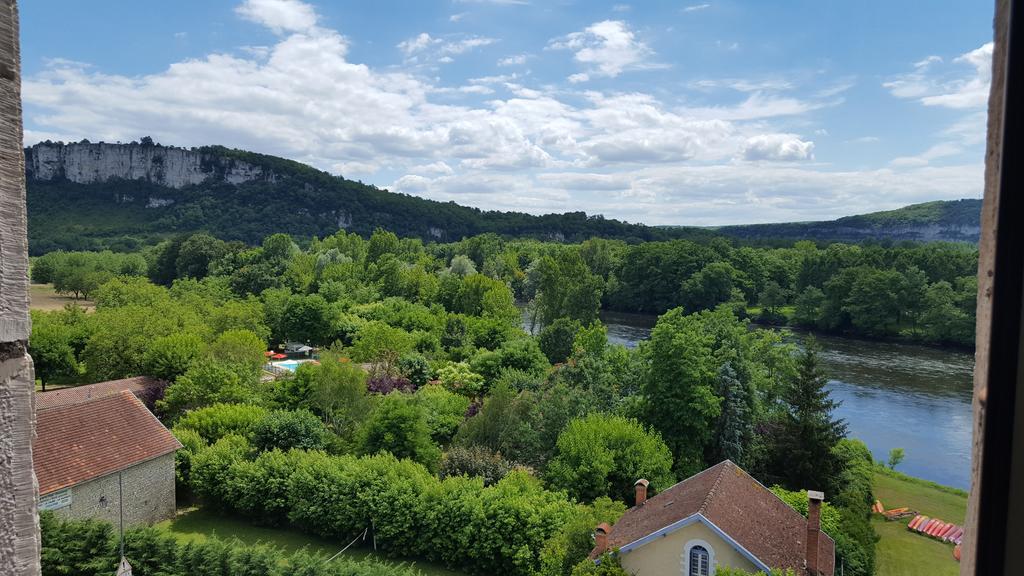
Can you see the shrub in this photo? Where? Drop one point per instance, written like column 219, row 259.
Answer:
column 415, row 368
column 398, row 426
column 457, row 377
column 444, row 411
column 602, row 455
column 210, row 477
column 385, row 384
column 287, row 429
column 474, row 461
column 90, row 548
column 215, row 422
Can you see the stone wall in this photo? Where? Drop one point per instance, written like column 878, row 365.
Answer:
column 19, row 524
column 148, row 490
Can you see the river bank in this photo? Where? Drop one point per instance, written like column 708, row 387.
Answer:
column 892, row 394
column 901, row 552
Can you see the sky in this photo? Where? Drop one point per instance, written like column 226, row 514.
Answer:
column 689, row 113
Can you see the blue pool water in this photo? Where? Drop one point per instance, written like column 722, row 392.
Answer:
column 289, row 365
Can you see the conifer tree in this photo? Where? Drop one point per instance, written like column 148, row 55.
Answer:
column 804, row 457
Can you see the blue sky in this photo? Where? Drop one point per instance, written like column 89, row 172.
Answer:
column 697, row 113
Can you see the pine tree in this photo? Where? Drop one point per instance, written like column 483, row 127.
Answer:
column 735, row 424
column 803, row 456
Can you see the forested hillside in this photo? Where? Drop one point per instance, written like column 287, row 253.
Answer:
column 121, row 197
column 87, row 196
column 955, row 220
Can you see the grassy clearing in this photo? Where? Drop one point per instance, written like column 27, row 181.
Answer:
column 42, row 297
column 901, row 552
column 195, row 525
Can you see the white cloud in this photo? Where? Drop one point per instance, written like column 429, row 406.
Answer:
column 607, row 48
column 428, row 47
column 744, row 84
column 696, row 7
column 281, row 16
column 514, row 60
column 457, row 17
column 417, row 43
column 621, row 8
column 933, row 84
column 528, row 147
column 777, row 148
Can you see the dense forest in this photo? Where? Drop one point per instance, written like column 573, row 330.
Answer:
column 468, row 441
column 125, row 215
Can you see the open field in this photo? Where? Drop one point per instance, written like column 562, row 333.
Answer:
column 195, row 524
column 42, row 297
column 901, row 552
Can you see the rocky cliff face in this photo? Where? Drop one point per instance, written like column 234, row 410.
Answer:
column 163, row 165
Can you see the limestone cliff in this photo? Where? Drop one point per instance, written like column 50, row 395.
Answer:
column 87, row 163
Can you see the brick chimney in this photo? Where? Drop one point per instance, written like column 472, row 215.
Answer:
column 640, row 486
column 600, row 539
column 814, row 500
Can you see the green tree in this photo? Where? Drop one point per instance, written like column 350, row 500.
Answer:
column 566, row 288
column 808, row 306
column 444, row 411
column 804, row 454
column 895, row 457
column 735, row 430
column 51, row 350
column 207, row 382
column 171, row 356
column 603, row 455
column 556, row 339
column 239, row 347
column 678, row 395
column 400, row 427
column 712, row 285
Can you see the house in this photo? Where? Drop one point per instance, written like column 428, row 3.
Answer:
column 719, row 517
column 90, row 452
column 145, row 388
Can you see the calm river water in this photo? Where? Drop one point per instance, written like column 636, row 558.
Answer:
column 893, row 396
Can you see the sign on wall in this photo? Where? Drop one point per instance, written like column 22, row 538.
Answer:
column 55, row 500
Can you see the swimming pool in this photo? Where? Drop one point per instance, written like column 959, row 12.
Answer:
column 289, row 365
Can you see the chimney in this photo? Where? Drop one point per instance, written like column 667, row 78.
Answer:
column 600, row 539
column 814, row 499
column 641, row 491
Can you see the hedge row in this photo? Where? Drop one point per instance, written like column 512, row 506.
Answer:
column 90, row 548
column 506, row 528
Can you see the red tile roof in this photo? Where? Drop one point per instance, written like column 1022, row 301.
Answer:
column 141, row 386
column 79, row 442
column 740, row 506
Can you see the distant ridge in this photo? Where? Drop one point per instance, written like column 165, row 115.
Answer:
column 92, row 196
column 953, row 220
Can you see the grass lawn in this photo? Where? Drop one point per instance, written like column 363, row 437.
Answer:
column 901, row 552
column 195, row 524
column 42, row 297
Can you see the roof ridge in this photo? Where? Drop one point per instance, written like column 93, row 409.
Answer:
column 714, row 487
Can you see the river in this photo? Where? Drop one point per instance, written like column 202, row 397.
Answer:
column 893, row 396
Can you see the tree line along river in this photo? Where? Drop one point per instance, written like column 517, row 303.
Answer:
column 893, row 396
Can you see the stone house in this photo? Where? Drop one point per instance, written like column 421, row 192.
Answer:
column 719, row 517
column 92, row 452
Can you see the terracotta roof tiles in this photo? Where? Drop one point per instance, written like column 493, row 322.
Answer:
column 737, row 504
column 142, row 386
column 86, row 440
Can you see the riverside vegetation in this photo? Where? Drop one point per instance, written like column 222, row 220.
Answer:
column 468, row 442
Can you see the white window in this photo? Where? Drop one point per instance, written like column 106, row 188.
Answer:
column 698, row 559
column 700, row 562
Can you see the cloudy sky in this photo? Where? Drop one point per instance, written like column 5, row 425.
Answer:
column 657, row 112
